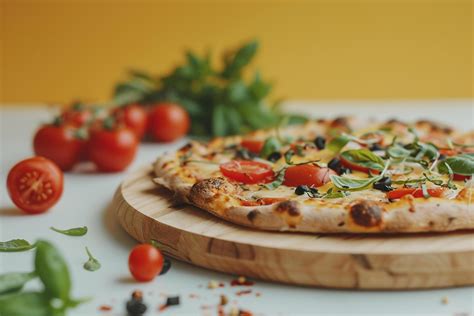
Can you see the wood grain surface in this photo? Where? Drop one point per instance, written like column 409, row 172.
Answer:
column 408, row 261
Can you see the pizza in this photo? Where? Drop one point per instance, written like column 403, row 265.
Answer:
column 338, row 175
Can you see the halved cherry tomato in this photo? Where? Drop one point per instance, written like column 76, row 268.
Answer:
column 348, row 164
column 461, row 177
column 248, row 172
column 77, row 115
column 134, row 116
column 254, row 146
column 308, row 174
column 35, row 184
column 168, row 122
column 262, row 201
column 112, row 149
column 415, row 192
column 145, row 262
column 61, row 144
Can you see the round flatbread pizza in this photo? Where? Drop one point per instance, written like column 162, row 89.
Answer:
column 331, row 176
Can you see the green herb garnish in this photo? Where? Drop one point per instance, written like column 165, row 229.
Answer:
column 337, row 143
column 14, row 282
column 15, row 245
column 462, row 164
column 364, row 158
column 92, row 264
column 278, row 180
column 77, row 231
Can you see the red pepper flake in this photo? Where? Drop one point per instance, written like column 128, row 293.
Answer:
column 206, row 306
column 240, row 293
column 105, row 308
column 162, row 307
column 258, row 294
column 241, row 282
column 192, row 295
column 221, row 284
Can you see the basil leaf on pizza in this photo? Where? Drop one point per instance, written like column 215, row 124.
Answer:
column 337, row 143
column 364, row 158
column 350, row 184
column 461, row 164
column 271, row 145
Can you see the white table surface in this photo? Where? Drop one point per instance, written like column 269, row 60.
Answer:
column 86, row 201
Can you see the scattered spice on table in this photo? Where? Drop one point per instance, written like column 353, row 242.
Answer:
column 192, row 295
column 445, row 300
column 258, row 294
column 241, row 280
column 214, row 284
column 223, row 300
column 170, row 301
column 105, row 308
column 244, row 292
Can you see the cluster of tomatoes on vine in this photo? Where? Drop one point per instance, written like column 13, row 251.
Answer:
column 107, row 137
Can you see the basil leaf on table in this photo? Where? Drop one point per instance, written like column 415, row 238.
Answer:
column 27, row 304
column 15, row 245
column 364, row 158
column 53, row 271
column 461, row 164
column 349, row 184
column 92, row 264
column 77, row 231
column 337, row 143
column 14, row 281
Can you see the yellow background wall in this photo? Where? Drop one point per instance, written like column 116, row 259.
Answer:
column 55, row 51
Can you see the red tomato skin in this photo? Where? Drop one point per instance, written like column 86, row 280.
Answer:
column 133, row 116
column 168, row 122
column 415, row 192
column 51, row 184
column 76, row 118
column 112, row 150
column 145, row 262
column 308, row 174
column 353, row 166
column 461, row 177
column 254, row 146
column 59, row 144
column 240, row 171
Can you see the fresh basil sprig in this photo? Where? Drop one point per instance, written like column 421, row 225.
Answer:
column 92, row 264
column 271, row 145
column 77, row 231
column 14, row 281
column 364, row 158
column 15, row 245
column 220, row 102
column 350, row 184
column 462, row 164
column 337, row 143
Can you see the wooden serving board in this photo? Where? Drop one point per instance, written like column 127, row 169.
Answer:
column 407, row 261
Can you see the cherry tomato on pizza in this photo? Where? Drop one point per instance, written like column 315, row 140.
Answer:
column 308, row 174
column 168, row 122
column 249, row 172
column 133, row 116
column 112, row 147
column 35, row 184
column 63, row 144
column 354, row 166
column 145, row 262
column 252, row 145
column 415, row 192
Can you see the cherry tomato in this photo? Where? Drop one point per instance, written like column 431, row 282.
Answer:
column 249, row 172
column 134, row 116
column 35, row 184
column 448, row 152
column 308, row 174
column 415, row 192
column 77, row 115
column 61, row 144
column 168, row 122
column 348, row 164
column 112, row 149
column 145, row 262
column 254, row 146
